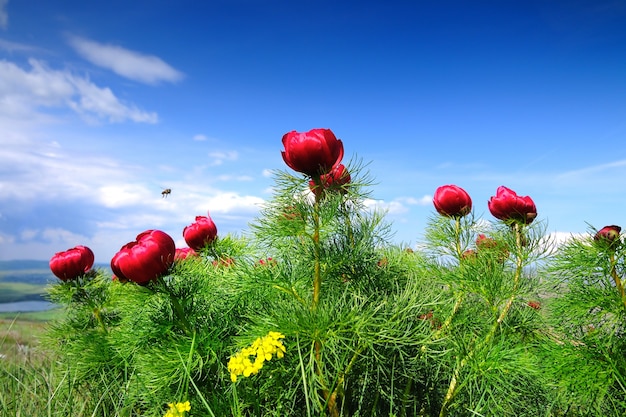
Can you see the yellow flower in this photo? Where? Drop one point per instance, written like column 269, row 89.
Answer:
column 262, row 349
column 177, row 409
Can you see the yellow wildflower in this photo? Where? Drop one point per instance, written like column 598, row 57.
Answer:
column 177, row 409
column 262, row 349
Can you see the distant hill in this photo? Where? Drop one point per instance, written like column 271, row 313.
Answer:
column 31, row 271
column 26, row 280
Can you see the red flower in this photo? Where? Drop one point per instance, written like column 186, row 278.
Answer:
column 608, row 235
column 200, row 233
column 334, row 180
column 184, row 253
column 312, row 153
column 484, row 242
column 223, row 262
column 145, row 259
column 267, row 262
column 72, row 263
column 452, row 201
column 506, row 205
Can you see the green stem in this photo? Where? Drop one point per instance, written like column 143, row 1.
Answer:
column 516, row 280
column 618, row 281
column 457, row 237
column 453, row 386
column 317, row 276
column 458, row 295
column 179, row 313
column 329, row 397
column 98, row 316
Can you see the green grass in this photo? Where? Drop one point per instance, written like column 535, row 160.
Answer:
column 31, row 316
column 20, row 339
column 18, row 291
column 29, row 380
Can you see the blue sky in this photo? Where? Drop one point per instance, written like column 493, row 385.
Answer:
column 104, row 104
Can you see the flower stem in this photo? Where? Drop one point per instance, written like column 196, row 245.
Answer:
column 452, row 387
column 457, row 295
column 618, row 281
column 317, row 288
column 457, row 237
column 98, row 316
column 179, row 313
column 317, row 278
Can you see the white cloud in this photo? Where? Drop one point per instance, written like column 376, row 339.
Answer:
column 230, row 202
column 218, row 157
column 15, row 46
column 551, row 242
column 235, row 178
column 391, row 207
column 121, row 195
column 136, row 66
column 593, row 169
column 103, row 103
column 200, row 137
column 424, row 201
column 23, row 92
column 4, row 16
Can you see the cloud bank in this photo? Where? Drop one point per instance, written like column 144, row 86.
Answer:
column 24, row 91
column 136, row 66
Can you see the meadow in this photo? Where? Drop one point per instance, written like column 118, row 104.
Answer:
column 315, row 311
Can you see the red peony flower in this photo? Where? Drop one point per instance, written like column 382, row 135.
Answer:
column 312, row 153
column 145, row 259
column 452, row 201
column 334, row 180
column 608, row 235
column 200, row 233
column 184, row 253
column 506, row 205
column 72, row 263
column 485, row 243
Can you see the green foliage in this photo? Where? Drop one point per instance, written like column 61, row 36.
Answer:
column 589, row 319
column 469, row 325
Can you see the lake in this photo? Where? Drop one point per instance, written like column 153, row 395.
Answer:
column 26, row 306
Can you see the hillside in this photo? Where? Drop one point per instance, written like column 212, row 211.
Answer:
column 25, row 280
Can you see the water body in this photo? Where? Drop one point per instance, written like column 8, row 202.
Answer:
column 26, row 306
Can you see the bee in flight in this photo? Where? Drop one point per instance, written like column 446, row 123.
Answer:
column 166, row 192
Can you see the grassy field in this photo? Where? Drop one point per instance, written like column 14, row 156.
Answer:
column 18, row 291
column 20, row 335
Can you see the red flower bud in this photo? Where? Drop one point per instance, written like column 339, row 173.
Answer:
column 468, row 254
column 223, row 262
column 200, row 233
column 608, row 235
column 312, row 153
column 506, row 205
column 184, row 253
column 72, row 263
column 145, row 259
column 484, row 242
column 452, row 201
column 536, row 305
column 267, row 262
column 334, row 180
